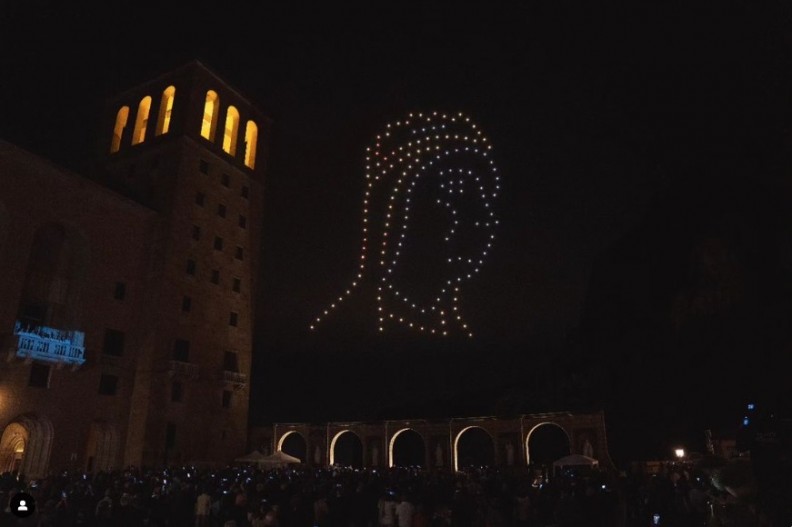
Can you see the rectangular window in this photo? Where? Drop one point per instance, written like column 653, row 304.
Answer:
column 230, row 361
column 218, row 243
column 200, row 198
column 242, row 221
column 221, row 210
column 170, row 436
column 39, row 375
column 215, row 279
column 176, row 391
column 225, row 179
column 191, row 267
column 181, row 350
column 196, row 232
column 120, row 291
column 226, row 399
column 186, row 304
column 240, row 253
column 245, row 192
column 233, row 319
column 113, row 343
column 203, row 166
column 236, row 285
column 108, row 384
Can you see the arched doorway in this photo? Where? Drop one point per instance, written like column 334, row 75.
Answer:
column 473, row 446
column 546, row 442
column 102, row 448
column 406, row 449
column 26, row 444
column 293, row 443
column 346, row 449
column 13, row 444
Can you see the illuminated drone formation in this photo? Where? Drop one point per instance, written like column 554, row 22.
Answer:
column 447, row 158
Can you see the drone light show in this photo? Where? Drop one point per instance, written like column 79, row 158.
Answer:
column 428, row 221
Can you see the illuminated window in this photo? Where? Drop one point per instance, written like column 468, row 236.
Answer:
column 231, row 130
column 210, row 115
column 166, row 107
column 251, row 138
column 118, row 131
column 141, row 121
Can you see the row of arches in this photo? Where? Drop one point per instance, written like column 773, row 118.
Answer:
column 211, row 115
column 472, row 446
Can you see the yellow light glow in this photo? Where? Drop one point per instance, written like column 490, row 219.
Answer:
column 251, row 139
column 209, row 123
column 166, row 107
column 141, row 120
column 230, row 131
column 118, row 131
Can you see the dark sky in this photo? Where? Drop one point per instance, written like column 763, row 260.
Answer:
column 634, row 144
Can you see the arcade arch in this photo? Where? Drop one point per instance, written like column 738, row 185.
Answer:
column 477, row 448
column 346, row 448
column 412, row 451
column 294, row 444
column 546, row 442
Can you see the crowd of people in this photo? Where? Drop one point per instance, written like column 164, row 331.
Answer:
column 397, row 497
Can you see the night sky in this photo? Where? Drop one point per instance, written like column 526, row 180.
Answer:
column 644, row 259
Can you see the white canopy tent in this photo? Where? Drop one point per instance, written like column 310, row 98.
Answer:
column 575, row 460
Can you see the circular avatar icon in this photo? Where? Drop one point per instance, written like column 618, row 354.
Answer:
column 22, row 505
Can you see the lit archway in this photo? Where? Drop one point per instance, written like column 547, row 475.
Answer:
column 13, row 444
column 209, row 123
column 545, row 443
column 251, row 140
column 476, row 449
column 165, row 110
column 411, row 451
column 346, row 449
column 293, row 443
column 118, row 130
column 141, row 120
column 231, row 130
column 26, row 445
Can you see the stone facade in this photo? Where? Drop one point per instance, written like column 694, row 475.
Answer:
column 126, row 262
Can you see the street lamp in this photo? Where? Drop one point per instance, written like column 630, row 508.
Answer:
column 680, row 453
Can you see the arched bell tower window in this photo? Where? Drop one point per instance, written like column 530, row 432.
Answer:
column 209, row 123
column 251, row 138
column 141, row 121
column 231, row 130
column 166, row 107
column 118, row 131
